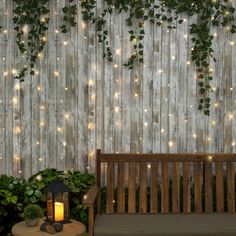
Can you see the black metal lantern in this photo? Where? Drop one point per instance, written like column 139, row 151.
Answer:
column 58, row 198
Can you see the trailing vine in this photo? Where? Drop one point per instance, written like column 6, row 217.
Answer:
column 69, row 18
column 210, row 13
column 31, row 23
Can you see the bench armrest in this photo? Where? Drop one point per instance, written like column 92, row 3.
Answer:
column 89, row 200
column 90, row 196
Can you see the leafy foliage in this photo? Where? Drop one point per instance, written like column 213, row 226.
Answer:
column 16, row 193
column 11, row 202
column 69, row 17
column 32, row 211
column 210, row 13
column 31, row 23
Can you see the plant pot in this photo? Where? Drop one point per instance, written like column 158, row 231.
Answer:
column 32, row 222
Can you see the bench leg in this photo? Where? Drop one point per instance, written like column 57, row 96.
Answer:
column 91, row 221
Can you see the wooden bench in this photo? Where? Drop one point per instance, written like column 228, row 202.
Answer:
column 163, row 194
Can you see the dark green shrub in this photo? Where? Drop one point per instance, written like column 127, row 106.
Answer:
column 11, row 202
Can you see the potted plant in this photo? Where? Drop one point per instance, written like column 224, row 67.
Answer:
column 32, row 214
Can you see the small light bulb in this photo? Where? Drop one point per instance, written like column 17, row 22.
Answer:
column 171, row 143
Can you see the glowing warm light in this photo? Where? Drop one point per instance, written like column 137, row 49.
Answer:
column 39, row 177
column 14, row 71
column 25, row 29
column 194, row 136
column 210, row 158
column 43, row 19
column 208, row 139
column 232, row 43
column 162, row 130
column 67, row 116
column 59, row 211
column 115, row 65
column 15, row 100
column 42, row 124
column 118, row 51
column 83, row 25
column 90, row 125
column 117, row 109
column 90, row 82
column 116, row 95
column 39, row 88
column 17, row 87
column 56, row 73
column 171, row 143
column 231, row 116
column 59, row 129
column 145, row 124
column 65, row 43
column 5, row 73
column 17, row 130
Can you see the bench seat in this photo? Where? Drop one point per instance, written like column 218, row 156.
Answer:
column 165, row 225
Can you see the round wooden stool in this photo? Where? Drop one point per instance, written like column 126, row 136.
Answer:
column 73, row 229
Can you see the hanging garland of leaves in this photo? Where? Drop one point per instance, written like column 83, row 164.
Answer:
column 31, row 23
column 69, row 18
column 210, row 13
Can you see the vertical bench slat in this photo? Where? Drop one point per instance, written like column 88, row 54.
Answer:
column 132, row 188
column 154, row 190
column 197, row 187
column 143, row 188
column 208, row 187
column 175, row 188
column 230, row 187
column 165, row 187
column 110, row 187
column 121, row 188
column 186, row 188
column 219, row 187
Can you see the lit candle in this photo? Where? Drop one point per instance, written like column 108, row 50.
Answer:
column 59, row 211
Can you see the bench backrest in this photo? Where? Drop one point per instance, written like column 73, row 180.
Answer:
column 164, row 183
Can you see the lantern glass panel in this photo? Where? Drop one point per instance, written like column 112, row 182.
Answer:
column 66, row 207
column 59, row 207
column 50, row 206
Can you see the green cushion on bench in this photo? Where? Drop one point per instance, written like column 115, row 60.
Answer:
column 166, row 225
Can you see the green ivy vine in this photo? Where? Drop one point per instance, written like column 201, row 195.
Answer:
column 31, row 23
column 69, row 18
column 210, row 13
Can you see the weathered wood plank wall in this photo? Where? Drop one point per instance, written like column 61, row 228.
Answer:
column 79, row 102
